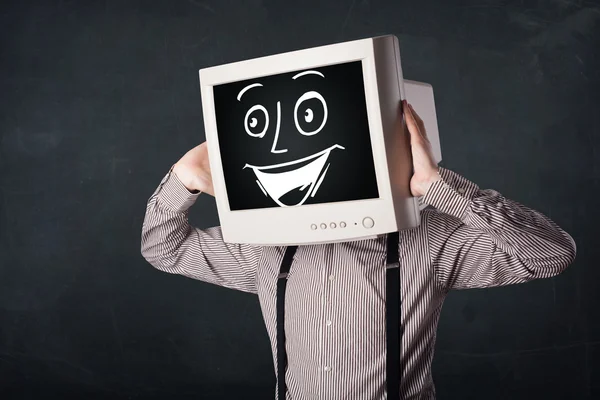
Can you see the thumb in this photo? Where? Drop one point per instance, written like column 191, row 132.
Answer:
column 203, row 184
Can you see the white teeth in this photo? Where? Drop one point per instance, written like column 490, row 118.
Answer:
column 279, row 184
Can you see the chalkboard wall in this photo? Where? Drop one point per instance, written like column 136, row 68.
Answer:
column 99, row 98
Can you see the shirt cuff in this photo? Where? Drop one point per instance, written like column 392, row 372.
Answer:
column 175, row 195
column 452, row 194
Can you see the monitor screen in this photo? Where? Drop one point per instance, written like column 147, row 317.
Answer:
column 296, row 138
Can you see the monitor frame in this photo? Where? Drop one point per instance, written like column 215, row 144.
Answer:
column 294, row 225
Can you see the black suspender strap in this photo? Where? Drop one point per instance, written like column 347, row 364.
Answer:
column 288, row 257
column 392, row 317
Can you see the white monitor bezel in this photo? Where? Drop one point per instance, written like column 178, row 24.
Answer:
column 277, row 225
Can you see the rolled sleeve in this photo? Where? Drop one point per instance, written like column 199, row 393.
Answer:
column 174, row 195
column 452, row 194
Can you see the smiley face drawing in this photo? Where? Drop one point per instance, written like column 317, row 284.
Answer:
column 296, row 138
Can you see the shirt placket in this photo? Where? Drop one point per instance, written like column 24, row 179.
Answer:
column 328, row 278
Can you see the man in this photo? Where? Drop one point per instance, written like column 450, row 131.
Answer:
column 335, row 300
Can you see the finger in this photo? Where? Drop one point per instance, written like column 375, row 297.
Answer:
column 419, row 121
column 414, row 113
column 408, row 117
column 411, row 123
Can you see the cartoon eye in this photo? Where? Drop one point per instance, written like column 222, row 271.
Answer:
column 313, row 109
column 308, row 117
column 256, row 121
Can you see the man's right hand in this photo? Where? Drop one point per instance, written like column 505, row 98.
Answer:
column 193, row 170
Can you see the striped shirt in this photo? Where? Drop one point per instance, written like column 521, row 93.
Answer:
column 335, row 299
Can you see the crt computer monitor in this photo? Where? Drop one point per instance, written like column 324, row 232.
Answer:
column 310, row 146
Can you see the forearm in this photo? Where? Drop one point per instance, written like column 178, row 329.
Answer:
column 507, row 239
column 166, row 226
column 171, row 244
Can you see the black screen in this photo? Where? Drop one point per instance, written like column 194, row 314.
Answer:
column 296, row 138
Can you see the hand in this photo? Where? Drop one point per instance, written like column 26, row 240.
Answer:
column 193, row 170
column 424, row 165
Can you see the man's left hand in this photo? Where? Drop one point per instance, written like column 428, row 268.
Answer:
column 424, row 165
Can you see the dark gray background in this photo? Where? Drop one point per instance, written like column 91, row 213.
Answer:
column 99, row 98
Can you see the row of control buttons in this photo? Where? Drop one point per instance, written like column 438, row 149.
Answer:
column 324, row 225
column 367, row 223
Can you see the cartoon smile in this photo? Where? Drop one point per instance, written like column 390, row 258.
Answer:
column 278, row 180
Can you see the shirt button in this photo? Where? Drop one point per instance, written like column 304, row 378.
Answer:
column 327, row 368
column 328, row 322
column 461, row 190
column 331, row 277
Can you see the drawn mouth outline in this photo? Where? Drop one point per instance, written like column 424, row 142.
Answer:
column 276, row 184
column 294, row 162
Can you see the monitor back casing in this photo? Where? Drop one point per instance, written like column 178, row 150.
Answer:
column 394, row 210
